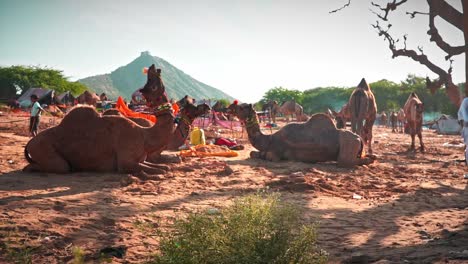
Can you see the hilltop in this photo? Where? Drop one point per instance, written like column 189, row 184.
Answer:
column 126, row 79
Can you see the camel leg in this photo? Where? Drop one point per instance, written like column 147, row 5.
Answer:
column 420, row 140
column 270, row 156
column 412, row 139
column 163, row 167
column 369, row 140
column 50, row 161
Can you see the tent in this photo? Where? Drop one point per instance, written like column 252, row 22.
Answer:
column 45, row 96
column 447, row 125
column 65, row 97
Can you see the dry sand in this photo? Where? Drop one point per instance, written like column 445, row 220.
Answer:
column 413, row 206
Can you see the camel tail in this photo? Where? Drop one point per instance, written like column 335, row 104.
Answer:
column 26, row 154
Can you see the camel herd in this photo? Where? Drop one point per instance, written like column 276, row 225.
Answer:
column 88, row 141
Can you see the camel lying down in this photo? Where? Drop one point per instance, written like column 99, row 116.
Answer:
column 316, row 140
column 84, row 141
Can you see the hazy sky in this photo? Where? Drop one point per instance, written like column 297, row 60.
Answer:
column 243, row 47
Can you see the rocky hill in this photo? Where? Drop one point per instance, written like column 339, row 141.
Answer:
column 126, row 79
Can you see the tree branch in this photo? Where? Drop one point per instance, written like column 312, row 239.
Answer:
column 391, row 6
column 414, row 13
column 345, row 5
column 445, row 77
column 437, row 38
column 446, row 12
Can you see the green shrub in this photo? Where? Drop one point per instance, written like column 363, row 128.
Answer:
column 255, row 229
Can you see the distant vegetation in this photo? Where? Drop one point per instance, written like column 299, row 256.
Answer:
column 390, row 96
column 15, row 80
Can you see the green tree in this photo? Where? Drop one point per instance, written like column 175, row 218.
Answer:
column 281, row 94
column 15, row 80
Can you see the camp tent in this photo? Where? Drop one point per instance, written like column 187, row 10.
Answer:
column 447, row 125
column 65, row 98
column 44, row 95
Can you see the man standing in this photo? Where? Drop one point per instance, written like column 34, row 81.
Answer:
column 463, row 118
column 35, row 115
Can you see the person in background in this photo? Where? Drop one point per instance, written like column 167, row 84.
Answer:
column 463, row 119
column 36, row 110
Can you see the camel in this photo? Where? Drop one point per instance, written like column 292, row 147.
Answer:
column 316, row 140
column 292, row 108
column 272, row 108
column 363, row 111
column 383, row 119
column 341, row 117
column 84, row 141
column 88, row 98
column 414, row 109
column 393, row 121
column 185, row 119
column 401, row 119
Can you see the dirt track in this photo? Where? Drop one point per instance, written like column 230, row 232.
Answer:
column 414, row 206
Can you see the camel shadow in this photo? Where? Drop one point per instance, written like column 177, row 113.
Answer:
column 61, row 184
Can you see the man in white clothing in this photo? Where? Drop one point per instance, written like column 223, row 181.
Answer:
column 463, row 118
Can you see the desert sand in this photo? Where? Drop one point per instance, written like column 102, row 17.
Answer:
column 407, row 207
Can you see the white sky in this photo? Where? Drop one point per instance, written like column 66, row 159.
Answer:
column 243, row 47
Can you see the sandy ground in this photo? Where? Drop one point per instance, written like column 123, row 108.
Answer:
column 413, row 206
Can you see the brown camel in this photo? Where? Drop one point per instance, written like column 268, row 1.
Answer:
column 414, row 109
column 316, row 140
column 383, row 119
column 88, row 98
column 341, row 117
column 363, row 111
column 393, row 121
column 273, row 109
column 401, row 119
column 84, row 141
column 292, row 108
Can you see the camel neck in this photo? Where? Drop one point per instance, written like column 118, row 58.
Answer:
column 256, row 137
column 157, row 137
column 181, row 132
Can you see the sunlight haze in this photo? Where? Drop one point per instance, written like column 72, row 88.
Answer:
column 243, row 48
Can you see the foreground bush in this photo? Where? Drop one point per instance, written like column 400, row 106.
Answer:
column 255, row 229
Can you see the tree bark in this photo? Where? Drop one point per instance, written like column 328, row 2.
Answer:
column 465, row 34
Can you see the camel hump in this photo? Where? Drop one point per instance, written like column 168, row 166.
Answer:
column 321, row 120
column 363, row 84
column 81, row 113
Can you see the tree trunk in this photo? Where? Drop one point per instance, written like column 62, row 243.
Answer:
column 465, row 34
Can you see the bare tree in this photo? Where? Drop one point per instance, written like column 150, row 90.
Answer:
column 437, row 8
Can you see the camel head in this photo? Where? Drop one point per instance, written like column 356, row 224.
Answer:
column 242, row 111
column 154, row 91
column 191, row 111
column 185, row 101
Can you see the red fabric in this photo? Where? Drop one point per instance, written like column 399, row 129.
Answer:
column 224, row 142
column 123, row 108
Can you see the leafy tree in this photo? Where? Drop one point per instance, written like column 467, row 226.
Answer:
column 281, row 94
column 15, row 80
column 224, row 102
